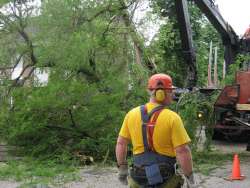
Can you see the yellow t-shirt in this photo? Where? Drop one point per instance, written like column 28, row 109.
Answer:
column 169, row 131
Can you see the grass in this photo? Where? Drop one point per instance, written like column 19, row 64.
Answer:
column 30, row 172
column 205, row 162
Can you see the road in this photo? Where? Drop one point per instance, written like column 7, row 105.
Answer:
column 217, row 178
column 93, row 177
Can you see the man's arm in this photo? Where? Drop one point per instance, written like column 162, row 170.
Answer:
column 184, row 157
column 121, row 150
column 121, row 155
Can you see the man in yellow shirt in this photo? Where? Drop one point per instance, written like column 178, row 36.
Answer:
column 158, row 138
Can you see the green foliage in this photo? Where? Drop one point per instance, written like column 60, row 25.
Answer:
column 205, row 162
column 189, row 105
column 59, row 118
column 168, row 49
column 242, row 61
column 33, row 171
column 93, row 77
column 3, row 2
column 93, row 81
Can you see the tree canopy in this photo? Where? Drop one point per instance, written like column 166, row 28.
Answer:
column 98, row 64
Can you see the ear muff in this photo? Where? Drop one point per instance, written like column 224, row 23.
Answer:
column 160, row 95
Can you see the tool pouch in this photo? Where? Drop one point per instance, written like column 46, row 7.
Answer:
column 153, row 174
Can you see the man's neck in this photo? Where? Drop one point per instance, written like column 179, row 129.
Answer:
column 152, row 100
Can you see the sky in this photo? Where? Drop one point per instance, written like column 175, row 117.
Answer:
column 236, row 13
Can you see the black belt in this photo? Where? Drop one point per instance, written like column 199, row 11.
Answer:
column 139, row 174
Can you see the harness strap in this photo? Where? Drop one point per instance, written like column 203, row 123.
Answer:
column 145, row 118
column 150, row 128
column 148, row 145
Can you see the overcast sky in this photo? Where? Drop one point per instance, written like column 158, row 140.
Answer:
column 236, row 13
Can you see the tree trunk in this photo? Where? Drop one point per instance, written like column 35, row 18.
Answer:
column 138, row 44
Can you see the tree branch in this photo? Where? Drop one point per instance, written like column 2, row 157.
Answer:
column 139, row 46
column 72, row 119
column 72, row 131
column 90, row 75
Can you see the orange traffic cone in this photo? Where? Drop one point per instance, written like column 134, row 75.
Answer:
column 236, row 169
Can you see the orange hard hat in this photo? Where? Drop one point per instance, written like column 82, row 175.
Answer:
column 163, row 81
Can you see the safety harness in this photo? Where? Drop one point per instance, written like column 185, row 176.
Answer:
column 150, row 160
column 148, row 125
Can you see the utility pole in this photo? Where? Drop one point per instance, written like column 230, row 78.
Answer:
column 224, row 70
column 215, row 67
column 209, row 69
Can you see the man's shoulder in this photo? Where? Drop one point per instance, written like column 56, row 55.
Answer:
column 134, row 110
column 171, row 113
